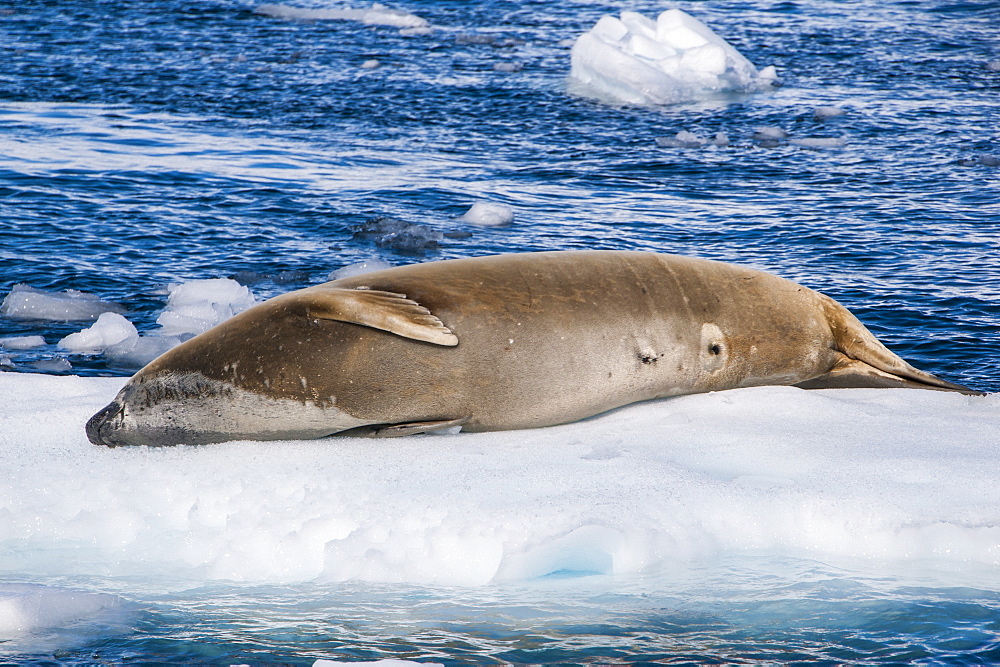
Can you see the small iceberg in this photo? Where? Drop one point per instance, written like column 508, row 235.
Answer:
column 677, row 58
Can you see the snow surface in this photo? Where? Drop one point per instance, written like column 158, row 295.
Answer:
column 899, row 479
column 677, row 58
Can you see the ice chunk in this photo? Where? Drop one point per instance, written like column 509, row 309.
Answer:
column 26, row 608
column 399, row 235
column 377, row 14
column 27, row 303
column 198, row 305
column 508, row 67
column 384, row 662
column 358, row 268
column 57, row 365
column 486, row 214
column 109, row 329
column 824, row 112
column 678, row 58
column 370, row 64
column 819, row 142
column 682, row 139
column 137, row 351
column 21, row 342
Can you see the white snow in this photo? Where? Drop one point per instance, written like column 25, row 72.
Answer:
column 488, row 214
column 21, row 342
column 27, row 303
column 377, row 14
column 901, row 480
column 373, row 264
column 677, row 58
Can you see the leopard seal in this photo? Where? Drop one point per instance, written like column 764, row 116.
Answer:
column 494, row 343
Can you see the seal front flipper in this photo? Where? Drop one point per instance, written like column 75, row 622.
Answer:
column 387, row 311
column 399, row 430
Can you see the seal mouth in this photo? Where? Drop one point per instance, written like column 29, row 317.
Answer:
column 105, row 422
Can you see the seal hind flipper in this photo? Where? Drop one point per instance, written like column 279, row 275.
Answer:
column 387, row 311
column 874, row 359
column 850, row 373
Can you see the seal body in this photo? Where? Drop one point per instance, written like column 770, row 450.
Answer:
column 494, row 343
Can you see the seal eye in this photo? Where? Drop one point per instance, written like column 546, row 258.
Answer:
column 714, row 349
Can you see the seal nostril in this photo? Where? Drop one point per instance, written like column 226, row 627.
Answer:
column 98, row 423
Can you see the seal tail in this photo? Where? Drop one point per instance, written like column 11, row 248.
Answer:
column 866, row 362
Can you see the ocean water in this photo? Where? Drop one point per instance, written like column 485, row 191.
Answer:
column 145, row 144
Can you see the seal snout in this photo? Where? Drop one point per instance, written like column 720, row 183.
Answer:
column 105, row 422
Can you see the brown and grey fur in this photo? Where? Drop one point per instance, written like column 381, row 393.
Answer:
column 495, row 343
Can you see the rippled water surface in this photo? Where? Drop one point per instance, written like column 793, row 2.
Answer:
column 144, row 143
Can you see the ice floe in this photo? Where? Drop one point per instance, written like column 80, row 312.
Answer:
column 896, row 480
column 677, row 58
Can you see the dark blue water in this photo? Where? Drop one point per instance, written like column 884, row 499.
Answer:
column 144, row 143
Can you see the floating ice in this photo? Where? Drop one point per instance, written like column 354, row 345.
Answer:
column 56, row 365
column 486, row 214
column 399, row 235
column 903, row 480
column 26, row 608
column 109, row 329
column 377, row 14
column 21, row 342
column 192, row 307
column 386, row 662
column 509, row 67
column 358, row 268
column 28, row 303
column 633, row 60
column 685, row 139
column 819, row 142
column 198, row 305
column 370, row 64
column 825, row 112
